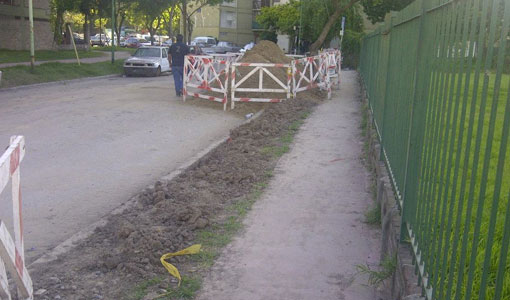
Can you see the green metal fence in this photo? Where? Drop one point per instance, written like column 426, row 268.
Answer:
column 437, row 75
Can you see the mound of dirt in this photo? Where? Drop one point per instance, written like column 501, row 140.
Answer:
column 167, row 216
column 266, row 51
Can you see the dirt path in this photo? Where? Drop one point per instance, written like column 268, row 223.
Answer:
column 305, row 235
column 106, row 57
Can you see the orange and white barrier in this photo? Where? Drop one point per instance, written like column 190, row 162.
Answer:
column 205, row 73
column 12, row 255
column 260, row 69
column 310, row 72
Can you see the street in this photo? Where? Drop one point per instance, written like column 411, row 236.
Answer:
column 92, row 144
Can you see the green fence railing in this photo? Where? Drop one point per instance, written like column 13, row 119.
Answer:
column 437, row 76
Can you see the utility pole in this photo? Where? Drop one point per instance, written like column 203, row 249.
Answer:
column 32, row 46
column 300, row 23
column 113, row 31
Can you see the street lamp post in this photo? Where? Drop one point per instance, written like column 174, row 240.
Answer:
column 113, row 31
column 31, row 21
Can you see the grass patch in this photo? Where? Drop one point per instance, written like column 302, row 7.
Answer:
column 22, row 75
column 187, row 290
column 141, row 290
column 283, row 144
column 373, row 215
column 14, row 56
column 377, row 276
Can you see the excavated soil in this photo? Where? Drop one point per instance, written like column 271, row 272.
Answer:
column 165, row 218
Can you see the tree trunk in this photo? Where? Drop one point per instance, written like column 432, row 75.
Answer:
column 331, row 21
column 57, row 32
column 86, row 29
column 184, row 17
column 170, row 23
column 119, row 27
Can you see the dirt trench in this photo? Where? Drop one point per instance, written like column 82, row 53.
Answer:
column 166, row 217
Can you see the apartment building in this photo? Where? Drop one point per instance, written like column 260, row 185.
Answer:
column 230, row 21
column 14, row 25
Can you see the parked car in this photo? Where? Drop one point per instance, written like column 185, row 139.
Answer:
column 203, row 41
column 167, row 43
column 78, row 40
column 132, row 43
column 99, row 40
column 148, row 60
column 122, row 42
column 222, row 48
column 144, row 42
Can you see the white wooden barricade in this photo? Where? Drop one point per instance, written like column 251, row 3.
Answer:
column 12, row 251
column 206, row 73
column 261, row 68
column 311, row 72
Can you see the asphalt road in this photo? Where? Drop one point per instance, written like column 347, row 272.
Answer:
column 93, row 144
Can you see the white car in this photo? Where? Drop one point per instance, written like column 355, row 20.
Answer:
column 148, row 60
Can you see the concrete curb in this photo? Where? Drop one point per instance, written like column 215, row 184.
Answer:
column 71, row 242
column 52, row 83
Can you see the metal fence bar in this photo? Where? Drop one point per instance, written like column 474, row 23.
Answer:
column 437, row 77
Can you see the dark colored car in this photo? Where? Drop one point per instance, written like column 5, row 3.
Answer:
column 132, row 43
column 78, row 40
column 222, row 48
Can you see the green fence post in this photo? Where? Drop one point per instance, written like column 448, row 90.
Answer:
column 416, row 128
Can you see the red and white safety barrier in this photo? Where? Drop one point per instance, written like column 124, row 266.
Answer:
column 205, row 73
column 334, row 62
column 12, row 255
column 310, row 72
column 261, row 69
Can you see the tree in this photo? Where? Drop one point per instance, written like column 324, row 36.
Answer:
column 189, row 8
column 375, row 9
column 150, row 14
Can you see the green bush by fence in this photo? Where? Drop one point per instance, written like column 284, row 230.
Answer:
column 436, row 76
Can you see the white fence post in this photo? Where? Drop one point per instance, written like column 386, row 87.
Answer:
column 12, row 251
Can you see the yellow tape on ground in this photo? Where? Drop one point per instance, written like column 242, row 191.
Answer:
column 171, row 268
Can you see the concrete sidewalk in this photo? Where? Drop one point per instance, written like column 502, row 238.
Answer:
column 305, row 236
column 106, row 57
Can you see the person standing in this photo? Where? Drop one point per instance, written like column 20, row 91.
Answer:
column 177, row 52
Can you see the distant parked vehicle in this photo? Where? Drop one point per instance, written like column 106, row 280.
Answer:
column 203, row 41
column 144, row 42
column 167, row 43
column 122, row 42
column 151, row 60
column 222, row 48
column 132, row 43
column 78, row 40
column 99, row 40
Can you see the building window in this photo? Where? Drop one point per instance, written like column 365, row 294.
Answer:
column 228, row 19
column 258, row 4
column 231, row 3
